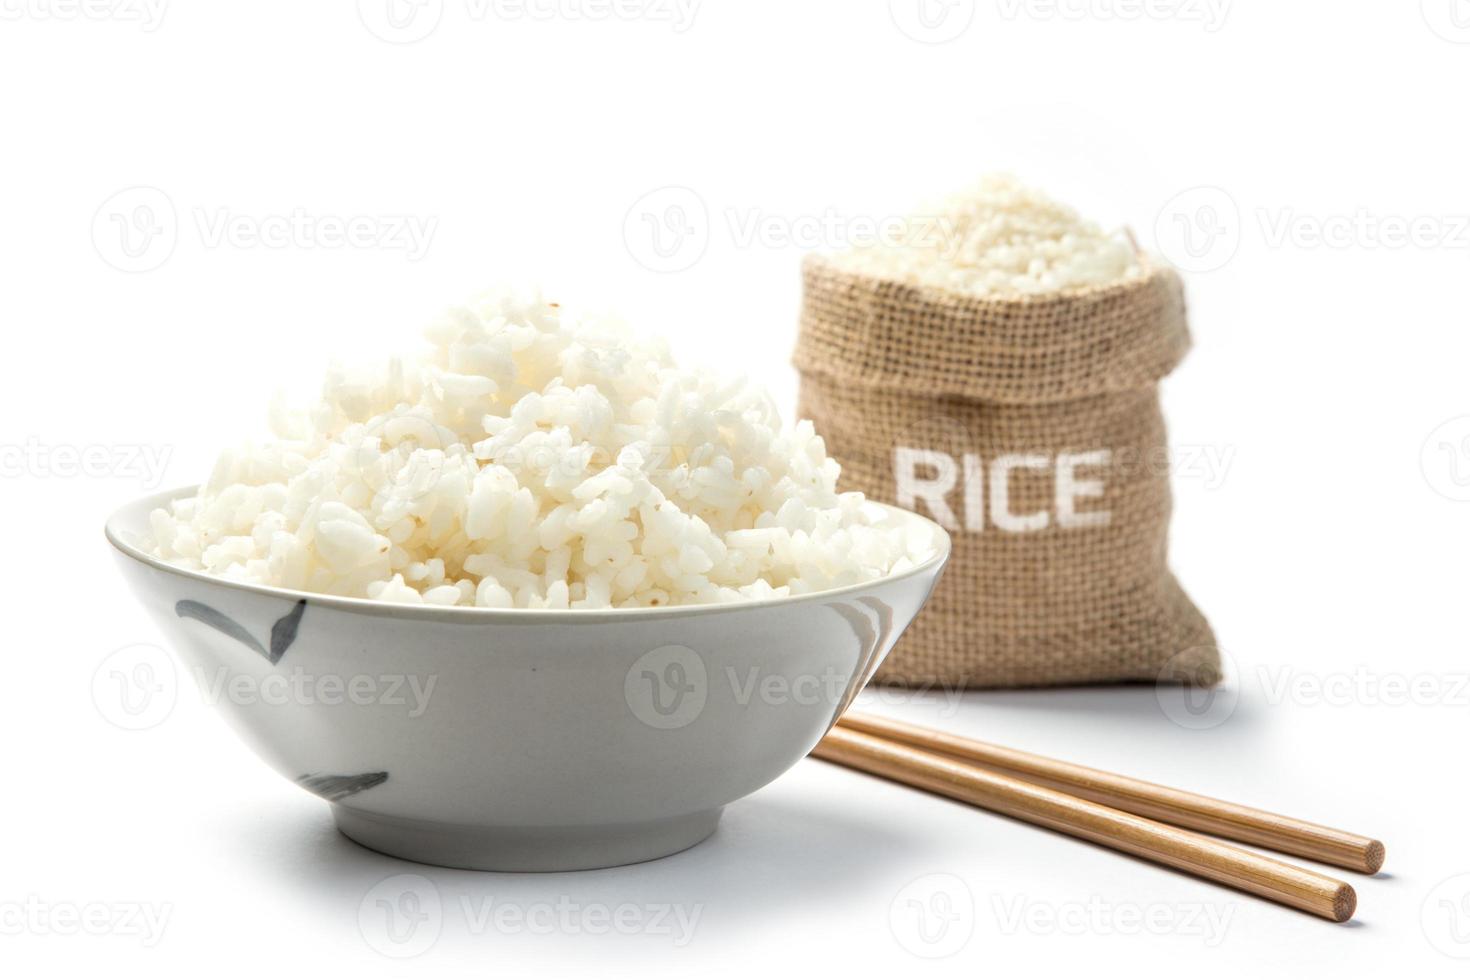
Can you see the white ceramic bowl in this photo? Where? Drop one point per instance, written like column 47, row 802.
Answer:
column 525, row 740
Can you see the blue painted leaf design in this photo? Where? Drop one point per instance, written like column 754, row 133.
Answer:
column 283, row 633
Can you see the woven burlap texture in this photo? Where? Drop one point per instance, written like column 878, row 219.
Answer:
column 885, row 364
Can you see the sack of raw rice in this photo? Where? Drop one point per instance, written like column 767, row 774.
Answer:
column 998, row 370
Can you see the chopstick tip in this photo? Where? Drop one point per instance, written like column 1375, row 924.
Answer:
column 1344, row 903
column 1373, row 857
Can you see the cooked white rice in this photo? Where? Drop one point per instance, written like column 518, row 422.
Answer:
column 999, row 238
column 534, row 460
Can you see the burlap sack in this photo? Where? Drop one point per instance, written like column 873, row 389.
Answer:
column 1031, row 428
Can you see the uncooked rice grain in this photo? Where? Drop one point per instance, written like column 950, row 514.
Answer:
column 999, row 238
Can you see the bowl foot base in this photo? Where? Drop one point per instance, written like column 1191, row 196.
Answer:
column 525, row 848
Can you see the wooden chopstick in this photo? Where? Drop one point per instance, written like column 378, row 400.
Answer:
column 1286, row 835
column 1127, row 832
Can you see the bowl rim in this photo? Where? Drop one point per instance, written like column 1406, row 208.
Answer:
column 125, row 514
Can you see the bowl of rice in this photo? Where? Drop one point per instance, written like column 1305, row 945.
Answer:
column 534, row 598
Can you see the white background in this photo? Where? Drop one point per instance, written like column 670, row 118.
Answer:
column 1321, row 423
